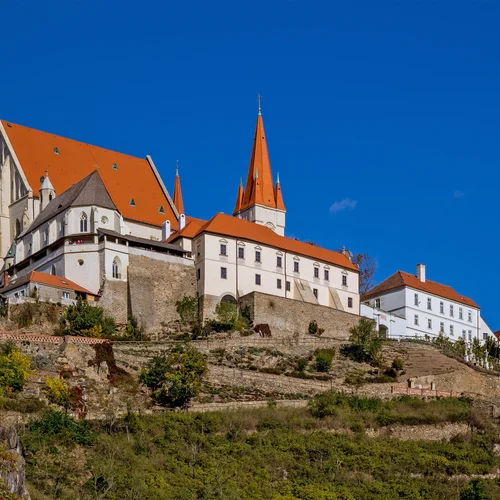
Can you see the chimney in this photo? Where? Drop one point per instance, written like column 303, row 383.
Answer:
column 421, row 272
column 182, row 221
column 5, row 279
column 165, row 230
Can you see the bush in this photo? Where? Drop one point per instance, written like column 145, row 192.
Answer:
column 397, row 364
column 133, row 331
column 176, row 378
column 474, row 491
column 314, row 329
column 58, row 392
column 355, row 378
column 15, row 369
column 187, row 309
column 324, row 358
column 26, row 314
column 302, row 364
column 365, row 341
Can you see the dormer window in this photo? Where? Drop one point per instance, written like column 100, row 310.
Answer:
column 161, row 210
column 114, row 166
column 56, row 151
column 132, row 202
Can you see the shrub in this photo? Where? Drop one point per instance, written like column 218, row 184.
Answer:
column 15, row 369
column 58, row 392
column 176, row 378
column 187, row 309
column 355, row 378
column 365, row 341
column 324, row 359
column 474, row 491
column 132, row 330
column 302, row 364
column 26, row 314
column 314, row 329
column 397, row 364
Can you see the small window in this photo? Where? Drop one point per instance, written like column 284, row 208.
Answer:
column 415, row 320
column 377, row 303
column 287, row 284
column 327, row 275
column 349, row 302
column 198, row 274
column 415, row 299
column 279, row 261
column 241, row 253
column 65, row 295
column 451, row 311
column 485, row 336
column 464, row 334
column 470, row 335
column 83, row 223
column 344, row 280
column 257, row 256
column 104, row 219
column 452, row 330
column 469, row 316
column 161, row 210
column 132, row 202
column 441, row 327
column 116, row 268
column 429, row 304
column 278, row 284
column 114, row 166
column 429, row 324
column 441, row 307
column 315, row 292
column 257, row 279
column 80, row 262
column 223, row 249
column 296, row 267
column 316, row 272
column 223, row 273
column 56, row 151
column 460, row 313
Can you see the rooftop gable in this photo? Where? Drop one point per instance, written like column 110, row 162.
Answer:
column 126, row 177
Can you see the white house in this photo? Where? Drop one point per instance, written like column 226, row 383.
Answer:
column 427, row 307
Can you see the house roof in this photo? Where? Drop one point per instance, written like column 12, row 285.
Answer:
column 45, row 279
column 188, row 231
column 126, row 177
column 401, row 279
column 89, row 191
column 227, row 225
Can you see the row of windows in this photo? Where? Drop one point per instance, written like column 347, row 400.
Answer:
column 441, row 308
column 416, row 322
column 279, row 263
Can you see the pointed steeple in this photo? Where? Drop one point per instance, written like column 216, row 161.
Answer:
column 239, row 197
column 177, row 198
column 278, row 196
column 47, row 191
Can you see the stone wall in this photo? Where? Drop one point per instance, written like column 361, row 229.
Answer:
column 12, row 466
column 114, row 300
column 287, row 317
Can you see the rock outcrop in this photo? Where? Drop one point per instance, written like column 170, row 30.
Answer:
column 12, row 467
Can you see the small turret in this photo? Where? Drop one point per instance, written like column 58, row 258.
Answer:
column 47, row 191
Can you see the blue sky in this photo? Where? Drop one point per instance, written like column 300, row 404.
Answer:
column 382, row 118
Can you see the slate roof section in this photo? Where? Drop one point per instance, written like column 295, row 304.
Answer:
column 401, row 279
column 89, row 191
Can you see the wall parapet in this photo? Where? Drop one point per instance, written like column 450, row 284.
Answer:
column 50, row 339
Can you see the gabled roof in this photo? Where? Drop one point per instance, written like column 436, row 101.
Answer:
column 126, row 177
column 226, row 225
column 401, row 279
column 89, row 191
column 45, row 279
column 188, row 231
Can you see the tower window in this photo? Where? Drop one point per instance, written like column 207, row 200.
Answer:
column 117, row 268
column 83, row 223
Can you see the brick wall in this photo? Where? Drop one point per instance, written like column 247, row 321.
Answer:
column 287, row 316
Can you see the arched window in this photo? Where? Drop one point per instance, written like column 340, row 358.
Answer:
column 117, row 268
column 83, row 223
column 18, row 227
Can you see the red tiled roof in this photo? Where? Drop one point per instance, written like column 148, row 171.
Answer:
column 126, row 177
column 179, row 204
column 401, row 279
column 226, row 225
column 192, row 226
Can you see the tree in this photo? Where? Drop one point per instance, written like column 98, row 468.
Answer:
column 58, row 392
column 474, row 491
column 15, row 369
column 365, row 341
column 367, row 268
column 176, row 378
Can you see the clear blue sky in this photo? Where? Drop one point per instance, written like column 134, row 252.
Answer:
column 389, row 108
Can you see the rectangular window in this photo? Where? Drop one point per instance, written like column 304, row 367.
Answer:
column 241, row 253
column 485, row 336
column 470, row 335
column 441, row 307
column 257, row 279
column 287, row 284
column 315, row 292
column 429, row 324
column 344, row 280
column 257, row 255
column 349, row 302
column 278, row 284
column 415, row 320
column 451, row 311
column 279, row 261
column 429, row 304
column 198, row 253
column 198, row 274
column 223, row 273
column 223, row 249
column 295, row 267
column 415, row 299
column 316, row 272
column 65, row 295
column 327, row 275
column 460, row 313
column 452, row 330
column 377, row 303
column 469, row 316
column 441, row 327
column 464, row 334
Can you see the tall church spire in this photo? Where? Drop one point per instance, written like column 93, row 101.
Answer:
column 177, row 199
column 239, row 197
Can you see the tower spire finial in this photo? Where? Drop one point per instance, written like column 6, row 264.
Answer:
column 241, row 181
column 277, row 177
column 176, row 167
column 259, row 97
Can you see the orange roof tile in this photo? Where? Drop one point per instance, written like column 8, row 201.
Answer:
column 238, row 228
column 279, row 196
column 68, row 161
column 401, row 279
column 179, row 204
column 192, row 226
column 239, row 199
column 259, row 188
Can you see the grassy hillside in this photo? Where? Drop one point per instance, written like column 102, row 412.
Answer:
column 318, row 453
